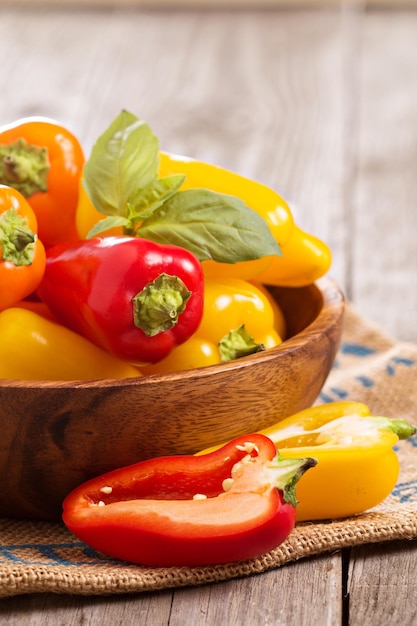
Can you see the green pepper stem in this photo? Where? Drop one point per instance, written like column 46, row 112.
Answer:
column 400, row 427
column 158, row 306
column 24, row 167
column 238, row 343
column 286, row 474
column 16, row 239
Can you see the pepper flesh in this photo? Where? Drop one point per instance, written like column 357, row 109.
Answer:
column 132, row 297
column 357, row 467
column 233, row 504
column 44, row 160
column 22, row 254
column 33, row 347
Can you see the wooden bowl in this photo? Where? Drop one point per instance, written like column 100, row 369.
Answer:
column 56, row 435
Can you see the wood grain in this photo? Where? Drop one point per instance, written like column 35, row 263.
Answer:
column 272, row 598
column 385, row 189
column 382, row 583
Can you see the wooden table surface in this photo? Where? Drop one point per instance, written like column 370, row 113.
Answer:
column 319, row 103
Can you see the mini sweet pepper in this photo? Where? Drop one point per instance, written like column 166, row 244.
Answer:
column 233, row 504
column 33, row 347
column 304, row 258
column 260, row 198
column 43, row 160
column 22, row 254
column 132, row 297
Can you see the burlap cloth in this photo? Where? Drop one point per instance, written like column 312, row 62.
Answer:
column 371, row 368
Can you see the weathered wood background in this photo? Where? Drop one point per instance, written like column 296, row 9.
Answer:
column 319, row 103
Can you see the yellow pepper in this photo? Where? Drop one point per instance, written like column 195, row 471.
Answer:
column 33, row 347
column 229, row 304
column 195, row 352
column 305, row 258
column 262, row 199
column 86, row 216
column 357, row 467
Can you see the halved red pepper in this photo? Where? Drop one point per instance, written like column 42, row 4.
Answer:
column 132, row 297
column 235, row 503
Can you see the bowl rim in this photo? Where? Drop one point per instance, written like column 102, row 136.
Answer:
column 331, row 310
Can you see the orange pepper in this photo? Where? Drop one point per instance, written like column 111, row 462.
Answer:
column 44, row 160
column 22, row 254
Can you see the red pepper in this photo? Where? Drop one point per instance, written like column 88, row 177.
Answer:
column 232, row 504
column 132, row 297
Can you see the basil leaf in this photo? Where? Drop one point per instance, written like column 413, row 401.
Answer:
column 212, row 226
column 123, row 159
column 106, row 223
column 151, row 197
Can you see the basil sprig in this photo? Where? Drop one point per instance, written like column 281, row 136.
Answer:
column 121, row 179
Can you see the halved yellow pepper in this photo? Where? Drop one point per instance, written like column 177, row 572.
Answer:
column 357, row 467
column 33, row 347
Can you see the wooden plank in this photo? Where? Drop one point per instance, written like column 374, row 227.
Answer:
column 317, row 581
column 382, row 584
column 385, row 191
column 124, row 610
column 308, row 592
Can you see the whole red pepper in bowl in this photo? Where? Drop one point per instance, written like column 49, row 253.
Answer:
column 135, row 298
column 235, row 503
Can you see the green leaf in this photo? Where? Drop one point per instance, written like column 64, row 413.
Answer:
column 212, row 226
column 123, row 160
column 106, row 223
column 151, row 197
